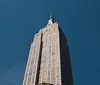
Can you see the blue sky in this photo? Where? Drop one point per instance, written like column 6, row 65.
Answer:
column 79, row 20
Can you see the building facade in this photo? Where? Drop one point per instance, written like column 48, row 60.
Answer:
column 49, row 60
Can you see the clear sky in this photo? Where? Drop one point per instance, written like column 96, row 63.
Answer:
column 79, row 20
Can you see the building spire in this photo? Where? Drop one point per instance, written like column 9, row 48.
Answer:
column 51, row 15
column 51, row 20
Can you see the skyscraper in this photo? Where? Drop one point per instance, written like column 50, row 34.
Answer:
column 49, row 60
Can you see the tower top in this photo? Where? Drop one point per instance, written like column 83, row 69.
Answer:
column 51, row 20
column 51, row 15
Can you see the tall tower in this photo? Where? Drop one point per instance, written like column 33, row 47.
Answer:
column 49, row 60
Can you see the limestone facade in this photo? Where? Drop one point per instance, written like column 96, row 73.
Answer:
column 49, row 72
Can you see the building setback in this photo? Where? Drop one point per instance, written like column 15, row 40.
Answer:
column 49, row 59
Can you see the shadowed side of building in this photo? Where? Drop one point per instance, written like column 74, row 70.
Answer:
column 66, row 70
